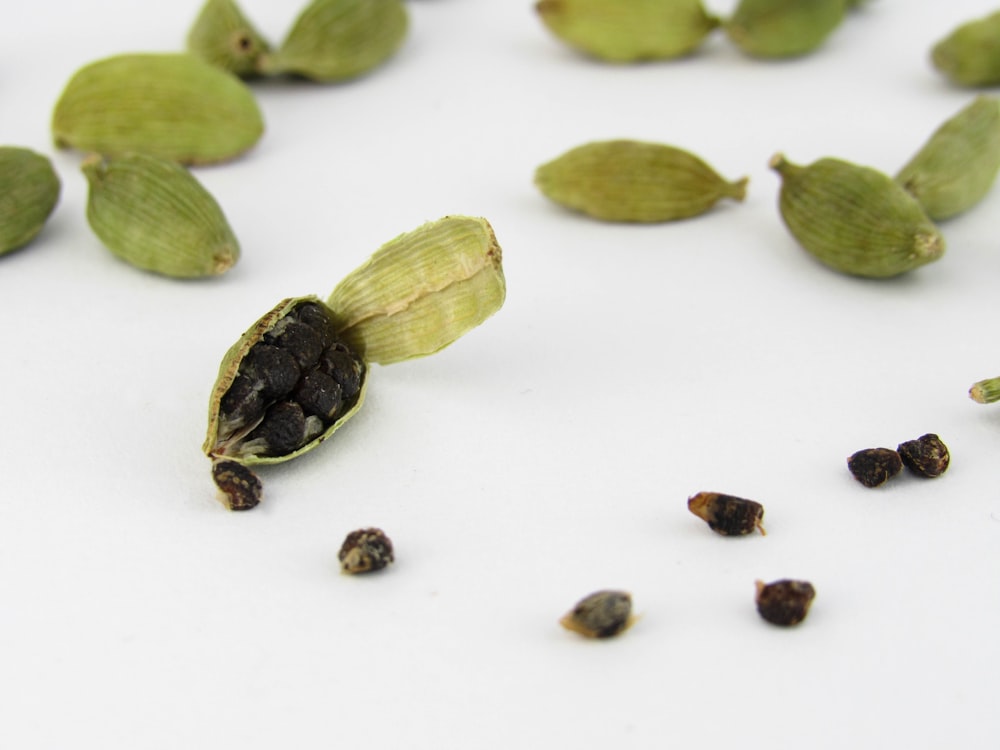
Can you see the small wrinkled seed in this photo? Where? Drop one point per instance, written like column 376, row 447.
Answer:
column 726, row 514
column 29, row 192
column 602, row 614
column 926, row 456
column 365, row 551
column 282, row 430
column 875, row 466
column 239, row 484
column 784, row 602
column 783, row 28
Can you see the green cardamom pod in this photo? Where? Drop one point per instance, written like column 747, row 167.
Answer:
column 222, row 36
column 855, row 219
column 334, row 40
column 624, row 32
column 421, row 291
column 970, row 54
column 175, row 106
column 626, row 180
column 155, row 215
column 783, row 28
column 29, row 191
column 959, row 163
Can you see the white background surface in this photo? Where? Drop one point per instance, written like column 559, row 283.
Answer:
column 547, row 454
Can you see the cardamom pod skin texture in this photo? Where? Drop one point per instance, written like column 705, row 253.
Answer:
column 174, row 106
column 783, row 28
column 625, row 32
column 29, row 192
column 970, row 54
column 222, row 36
column 336, row 40
column 421, row 291
column 958, row 165
column 634, row 181
column 153, row 214
column 855, row 219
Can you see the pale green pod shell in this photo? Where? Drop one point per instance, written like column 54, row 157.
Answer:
column 421, row 291
column 334, row 40
column 635, row 181
column 783, row 28
column 155, row 215
column 175, row 106
column 231, row 442
column 29, row 191
column 624, row 32
column 222, row 36
column 855, row 219
column 958, row 165
column 970, row 55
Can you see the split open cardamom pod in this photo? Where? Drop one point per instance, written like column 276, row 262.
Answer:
column 855, row 219
column 970, row 54
column 222, row 36
column 175, row 106
column 29, row 191
column 153, row 214
column 634, row 181
column 783, row 28
column 624, row 32
column 958, row 165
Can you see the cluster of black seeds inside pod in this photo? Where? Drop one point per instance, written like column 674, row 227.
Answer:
column 291, row 386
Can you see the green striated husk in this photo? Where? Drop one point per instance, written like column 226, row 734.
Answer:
column 334, row 40
column 970, row 54
column 634, row 181
column 153, row 214
column 624, row 32
column 855, row 219
column 985, row 391
column 783, row 28
column 222, row 36
column 958, row 165
column 175, row 106
column 29, row 191
column 421, row 291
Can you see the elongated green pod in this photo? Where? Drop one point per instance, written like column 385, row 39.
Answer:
column 970, row 54
column 783, row 28
column 29, row 191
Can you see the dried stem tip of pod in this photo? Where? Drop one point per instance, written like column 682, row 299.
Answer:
column 364, row 551
column 726, row 514
column 875, row 466
column 927, row 456
column 222, row 36
column 986, row 391
column 784, row 602
column 240, row 486
column 602, row 614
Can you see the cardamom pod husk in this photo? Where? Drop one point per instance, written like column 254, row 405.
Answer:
column 634, row 181
column 29, row 192
column 625, row 32
column 855, row 219
column 153, row 214
column 970, row 54
column 958, row 165
column 335, row 40
column 986, row 391
column 175, row 106
column 783, row 28
column 222, row 36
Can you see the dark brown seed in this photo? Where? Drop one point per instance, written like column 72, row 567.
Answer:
column 926, row 456
column 364, row 551
column 298, row 339
column 274, row 370
column 600, row 615
column 318, row 319
column 339, row 363
column 784, row 602
column 875, row 466
column 726, row 514
column 242, row 403
column 240, row 485
column 283, row 430
column 318, row 394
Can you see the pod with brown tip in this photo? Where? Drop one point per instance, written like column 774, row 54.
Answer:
column 783, row 28
column 635, row 181
column 970, row 54
column 624, row 32
column 855, row 219
column 29, row 191
column 222, row 36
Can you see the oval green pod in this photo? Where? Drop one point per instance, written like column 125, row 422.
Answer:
column 222, row 36
column 783, row 28
column 174, row 106
column 29, row 191
column 958, row 165
column 855, row 219
column 421, row 291
column 624, row 32
column 334, row 40
column 634, row 181
column 970, row 54
column 155, row 215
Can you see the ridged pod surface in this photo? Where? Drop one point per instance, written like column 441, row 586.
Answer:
column 175, row 106
column 855, row 219
column 222, row 36
column 970, row 55
column 29, row 192
column 783, row 28
column 634, row 181
column 958, row 165
column 624, row 32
